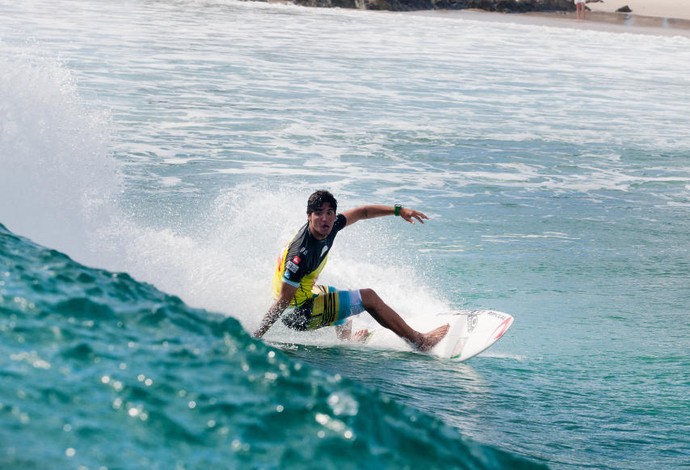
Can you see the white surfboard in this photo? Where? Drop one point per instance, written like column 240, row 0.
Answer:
column 470, row 333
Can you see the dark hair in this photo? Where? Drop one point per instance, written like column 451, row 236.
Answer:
column 317, row 199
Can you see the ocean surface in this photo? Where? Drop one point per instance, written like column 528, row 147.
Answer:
column 156, row 155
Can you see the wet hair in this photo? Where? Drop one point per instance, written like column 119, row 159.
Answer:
column 317, row 199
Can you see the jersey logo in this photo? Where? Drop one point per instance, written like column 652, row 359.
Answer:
column 292, row 267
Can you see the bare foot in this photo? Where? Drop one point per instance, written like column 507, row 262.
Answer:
column 360, row 336
column 432, row 338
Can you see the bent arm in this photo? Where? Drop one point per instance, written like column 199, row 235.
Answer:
column 287, row 293
column 374, row 210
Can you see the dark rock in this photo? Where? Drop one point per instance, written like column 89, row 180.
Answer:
column 504, row 6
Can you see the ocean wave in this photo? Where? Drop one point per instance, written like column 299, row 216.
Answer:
column 102, row 371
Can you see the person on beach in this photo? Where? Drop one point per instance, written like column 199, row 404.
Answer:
column 304, row 305
column 580, row 7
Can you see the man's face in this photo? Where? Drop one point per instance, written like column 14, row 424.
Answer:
column 321, row 221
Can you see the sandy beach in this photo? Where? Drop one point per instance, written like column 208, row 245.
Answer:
column 657, row 17
column 670, row 9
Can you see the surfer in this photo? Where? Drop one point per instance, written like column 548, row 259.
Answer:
column 304, row 305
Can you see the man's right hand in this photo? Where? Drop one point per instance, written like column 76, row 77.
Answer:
column 287, row 293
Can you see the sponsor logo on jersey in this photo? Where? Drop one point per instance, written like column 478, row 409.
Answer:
column 292, row 267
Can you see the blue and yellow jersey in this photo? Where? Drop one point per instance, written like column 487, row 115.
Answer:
column 302, row 260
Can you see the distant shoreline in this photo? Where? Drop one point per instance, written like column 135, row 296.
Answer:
column 660, row 17
column 596, row 20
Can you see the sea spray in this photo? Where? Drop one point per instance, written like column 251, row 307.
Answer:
column 57, row 181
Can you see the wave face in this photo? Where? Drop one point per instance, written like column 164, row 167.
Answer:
column 102, row 371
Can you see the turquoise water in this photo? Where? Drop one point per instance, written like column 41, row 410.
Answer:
column 168, row 149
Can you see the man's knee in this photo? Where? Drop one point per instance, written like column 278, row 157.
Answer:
column 370, row 298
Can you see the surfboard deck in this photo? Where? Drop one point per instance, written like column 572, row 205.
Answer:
column 471, row 332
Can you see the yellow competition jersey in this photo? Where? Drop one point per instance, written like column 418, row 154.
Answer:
column 303, row 259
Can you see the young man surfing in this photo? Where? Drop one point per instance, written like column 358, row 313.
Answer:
column 306, row 306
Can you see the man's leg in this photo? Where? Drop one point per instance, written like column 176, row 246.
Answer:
column 389, row 318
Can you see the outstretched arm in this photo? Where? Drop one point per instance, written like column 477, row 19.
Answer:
column 287, row 293
column 374, row 210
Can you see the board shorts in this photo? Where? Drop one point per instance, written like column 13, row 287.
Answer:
column 328, row 307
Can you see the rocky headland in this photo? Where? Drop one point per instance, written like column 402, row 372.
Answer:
column 503, row 6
